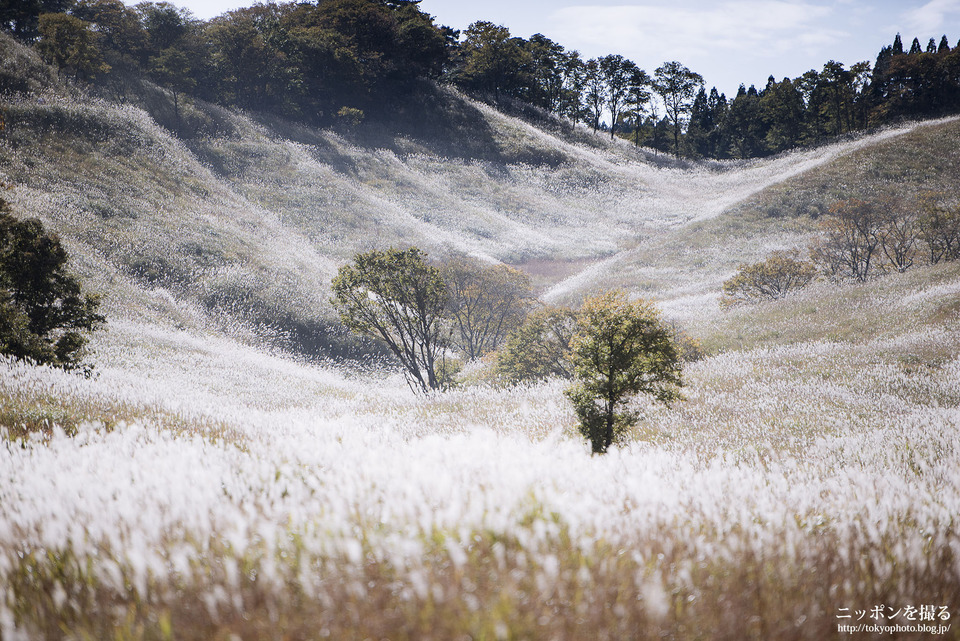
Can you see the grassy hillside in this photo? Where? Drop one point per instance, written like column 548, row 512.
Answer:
column 246, row 217
column 685, row 267
column 205, row 485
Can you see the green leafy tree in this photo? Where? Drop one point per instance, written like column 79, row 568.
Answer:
column 860, row 75
column 594, row 92
column 574, row 74
column 617, row 73
column 677, row 87
column 122, row 37
column 540, row 347
column 638, row 98
column 743, row 125
column 814, row 99
column 777, row 276
column 621, row 349
column 396, row 297
column 251, row 72
column 485, row 303
column 165, row 24
column 70, row 44
column 838, row 85
column 699, row 128
column 44, row 316
column 546, row 73
column 173, row 69
column 492, row 60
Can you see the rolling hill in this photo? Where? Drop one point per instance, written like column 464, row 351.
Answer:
column 223, row 475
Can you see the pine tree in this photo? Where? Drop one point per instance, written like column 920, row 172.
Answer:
column 701, row 125
column 932, row 46
column 944, row 45
column 915, row 47
column 781, row 107
column 717, row 103
column 897, row 45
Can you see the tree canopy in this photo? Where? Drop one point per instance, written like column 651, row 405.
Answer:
column 44, row 315
column 396, row 297
column 621, row 349
column 318, row 61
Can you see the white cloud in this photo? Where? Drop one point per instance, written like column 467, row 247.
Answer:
column 931, row 18
column 752, row 28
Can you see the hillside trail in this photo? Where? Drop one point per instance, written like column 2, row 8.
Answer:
column 706, row 194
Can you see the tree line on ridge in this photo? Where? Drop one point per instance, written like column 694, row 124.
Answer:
column 348, row 60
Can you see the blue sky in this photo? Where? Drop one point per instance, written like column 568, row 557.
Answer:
column 726, row 41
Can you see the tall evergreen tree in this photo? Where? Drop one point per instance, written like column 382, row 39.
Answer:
column 697, row 140
column 915, row 47
column 814, row 98
column 860, row 74
column 944, row 45
column 932, row 46
column 781, row 107
column 719, row 109
column 897, row 45
column 744, row 124
column 836, row 81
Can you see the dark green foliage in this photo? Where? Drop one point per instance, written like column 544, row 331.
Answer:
column 312, row 61
column 618, row 76
column 44, row 316
column 621, row 349
column 744, row 125
column 492, row 61
column 71, row 45
column 394, row 296
column 22, row 17
column 701, row 123
column 782, row 109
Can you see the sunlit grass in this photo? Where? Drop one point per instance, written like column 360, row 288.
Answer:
column 796, row 479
